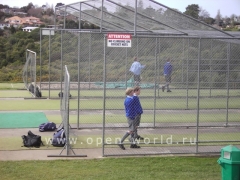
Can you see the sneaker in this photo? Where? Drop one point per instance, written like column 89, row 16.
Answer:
column 163, row 88
column 134, row 146
column 121, row 146
column 169, row 91
column 139, row 137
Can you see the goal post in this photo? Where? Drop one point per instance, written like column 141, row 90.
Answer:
column 64, row 109
column 29, row 74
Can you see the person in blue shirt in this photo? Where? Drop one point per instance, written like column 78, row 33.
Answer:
column 139, row 110
column 136, row 69
column 167, row 70
column 131, row 114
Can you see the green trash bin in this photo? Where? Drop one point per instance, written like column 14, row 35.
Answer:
column 230, row 163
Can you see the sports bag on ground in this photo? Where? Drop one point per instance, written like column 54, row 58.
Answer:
column 59, row 138
column 60, row 94
column 32, row 140
column 48, row 126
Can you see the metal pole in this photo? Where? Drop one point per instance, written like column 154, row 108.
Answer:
column 101, row 16
column 89, row 61
column 61, row 77
column 80, row 15
column 27, row 70
column 227, row 79
column 198, row 93
column 64, row 21
column 187, row 76
column 49, row 64
column 67, row 89
column 40, row 56
column 156, row 80
column 35, row 78
column 211, row 68
column 126, row 68
column 79, row 53
column 55, row 17
column 182, row 64
column 104, row 95
column 159, row 50
column 79, row 89
column 135, row 18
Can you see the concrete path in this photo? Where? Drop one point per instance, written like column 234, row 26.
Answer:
column 39, row 154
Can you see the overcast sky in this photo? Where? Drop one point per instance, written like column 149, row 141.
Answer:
column 226, row 7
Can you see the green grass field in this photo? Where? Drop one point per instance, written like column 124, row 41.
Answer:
column 143, row 168
column 170, row 168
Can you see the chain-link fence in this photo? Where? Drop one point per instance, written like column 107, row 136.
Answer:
column 64, row 95
column 68, row 138
column 29, row 73
column 199, row 115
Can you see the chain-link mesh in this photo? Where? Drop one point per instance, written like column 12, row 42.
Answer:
column 29, row 72
column 64, row 107
column 203, row 96
column 204, row 84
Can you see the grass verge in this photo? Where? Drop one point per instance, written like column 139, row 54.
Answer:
column 170, row 168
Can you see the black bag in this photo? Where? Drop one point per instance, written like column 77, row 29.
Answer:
column 31, row 88
column 60, row 94
column 32, row 140
column 59, row 138
column 38, row 92
column 48, row 126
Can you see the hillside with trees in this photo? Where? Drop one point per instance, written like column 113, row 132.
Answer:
column 14, row 41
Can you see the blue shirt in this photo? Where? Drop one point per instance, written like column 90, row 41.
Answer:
column 137, row 104
column 167, row 68
column 130, row 107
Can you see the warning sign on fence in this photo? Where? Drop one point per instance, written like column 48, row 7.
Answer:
column 119, row 40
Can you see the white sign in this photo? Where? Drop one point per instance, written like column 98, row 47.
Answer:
column 119, row 40
column 47, row 32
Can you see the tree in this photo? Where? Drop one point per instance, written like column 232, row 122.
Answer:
column 26, row 8
column 150, row 11
column 203, row 14
column 1, row 15
column 50, row 11
column 1, row 32
column 140, row 6
column 193, row 11
column 234, row 19
column 36, row 12
column 35, row 34
column 59, row 4
column 218, row 18
column 70, row 24
column 4, row 6
column 12, row 29
column 209, row 20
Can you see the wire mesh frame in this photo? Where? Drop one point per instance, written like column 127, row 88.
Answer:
column 198, row 148
column 176, row 16
column 156, row 41
column 64, row 109
column 136, row 16
column 157, row 58
column 29, row 72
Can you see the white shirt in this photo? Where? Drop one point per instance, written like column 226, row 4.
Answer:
column 136, row 68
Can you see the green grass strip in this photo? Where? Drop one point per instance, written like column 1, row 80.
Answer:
column 181, row 117
column 148, row 168
column 54, row 104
